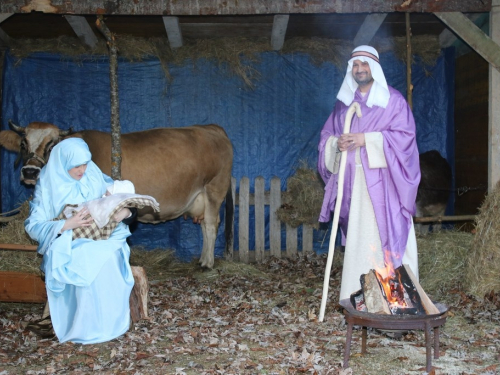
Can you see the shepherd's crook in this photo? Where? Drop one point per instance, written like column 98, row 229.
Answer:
column 333, row 234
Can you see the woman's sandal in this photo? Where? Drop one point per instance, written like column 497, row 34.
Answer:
column 42, row 328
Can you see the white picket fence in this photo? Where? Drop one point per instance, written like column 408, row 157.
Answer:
column 261, row 198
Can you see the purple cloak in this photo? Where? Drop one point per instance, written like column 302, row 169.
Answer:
column 392, row 190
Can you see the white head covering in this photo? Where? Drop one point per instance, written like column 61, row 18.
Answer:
column 58, row 188
column 379, row 92
column 124, row 186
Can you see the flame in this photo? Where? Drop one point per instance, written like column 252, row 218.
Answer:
column 387, row 278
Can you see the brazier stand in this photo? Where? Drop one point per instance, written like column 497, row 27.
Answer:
column 427, row 323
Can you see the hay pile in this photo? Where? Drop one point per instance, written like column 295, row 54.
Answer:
column 232, row 54
column 483, row 265
column 442, row 259
column 13, row 232
column 303, row 199
column 161, row 264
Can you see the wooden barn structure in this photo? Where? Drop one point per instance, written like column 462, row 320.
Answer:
column 472, row 26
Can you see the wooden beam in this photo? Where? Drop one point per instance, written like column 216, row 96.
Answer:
column 4, row 38
column 447, row 38
column 224, row 7
column 173, row 29
column 22, row 287
column 4, row 16
column 83, row 30
column 473, row 36
column 494, row 106
column 369, row 28
column 280, row 23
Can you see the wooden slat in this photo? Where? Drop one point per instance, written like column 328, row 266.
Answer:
column 494, row 105
column 307, row 239
column 10, row 246
column 259, row 219
column 173, row 31
column 230, row 246
column 274, row 222
column 291, row 241
column 21, row 287
column 83, row 30
column 279, row 31
column 369, row 28
column 243, row 220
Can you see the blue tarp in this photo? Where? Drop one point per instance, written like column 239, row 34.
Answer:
column 273, row 127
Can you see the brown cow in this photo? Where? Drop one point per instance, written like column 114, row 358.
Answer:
column 187, row 170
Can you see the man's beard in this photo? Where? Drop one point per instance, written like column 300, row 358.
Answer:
column 364, row 82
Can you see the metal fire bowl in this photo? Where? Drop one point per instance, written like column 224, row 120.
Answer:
column 394, row 322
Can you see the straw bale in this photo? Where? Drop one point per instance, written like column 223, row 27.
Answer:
column 483, row 263
column 233, row 55
column 303, row 199
column 442, row 259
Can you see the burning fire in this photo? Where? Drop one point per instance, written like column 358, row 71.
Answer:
column 392, row 285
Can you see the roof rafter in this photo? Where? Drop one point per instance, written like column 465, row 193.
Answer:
column 369, row 28
column 473, row 36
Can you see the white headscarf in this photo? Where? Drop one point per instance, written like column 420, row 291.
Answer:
column 379, row 92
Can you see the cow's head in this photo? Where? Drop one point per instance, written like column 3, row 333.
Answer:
column 33, row 143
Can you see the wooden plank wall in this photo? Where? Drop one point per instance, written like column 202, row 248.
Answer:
column 471, row 132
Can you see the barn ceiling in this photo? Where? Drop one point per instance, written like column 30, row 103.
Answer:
column 355, row 20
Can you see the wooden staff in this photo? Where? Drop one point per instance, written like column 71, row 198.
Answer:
column 354, row 108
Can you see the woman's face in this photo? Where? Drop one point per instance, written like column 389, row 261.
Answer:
column 78, row 171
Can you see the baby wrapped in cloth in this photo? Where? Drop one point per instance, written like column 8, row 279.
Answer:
column 118, row 195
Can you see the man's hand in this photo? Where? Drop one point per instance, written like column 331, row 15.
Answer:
column 350, row 141
column 81, row 219
column 122, row 214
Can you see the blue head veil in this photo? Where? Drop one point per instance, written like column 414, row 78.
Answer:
column 58, row 188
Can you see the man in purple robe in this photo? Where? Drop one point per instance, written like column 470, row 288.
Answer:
column 381, row 176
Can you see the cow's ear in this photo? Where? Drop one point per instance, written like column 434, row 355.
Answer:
column 10, row 140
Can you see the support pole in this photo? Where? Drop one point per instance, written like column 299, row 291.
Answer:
column 409, row 58
column 116, row 148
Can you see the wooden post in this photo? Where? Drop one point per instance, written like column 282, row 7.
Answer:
column 139, row 295
column 409, row 58
column 116, row 148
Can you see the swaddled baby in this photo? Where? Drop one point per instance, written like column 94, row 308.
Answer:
column 119, row 194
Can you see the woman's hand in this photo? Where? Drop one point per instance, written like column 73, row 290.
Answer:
column 350, row 141
column 122, row 214
column 81, row 219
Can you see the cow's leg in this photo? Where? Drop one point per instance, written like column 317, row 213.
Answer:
column 209, row 227
column 215, row 192
column 421, row 229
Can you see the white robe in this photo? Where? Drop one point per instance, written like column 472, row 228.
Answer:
column 363, row 250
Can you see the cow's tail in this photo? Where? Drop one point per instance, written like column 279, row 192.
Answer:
column 228, row 221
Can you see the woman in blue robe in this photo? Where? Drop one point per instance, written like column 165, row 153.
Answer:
column 88, row 282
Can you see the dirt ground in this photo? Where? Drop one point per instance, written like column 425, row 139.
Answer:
column 258, row 319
